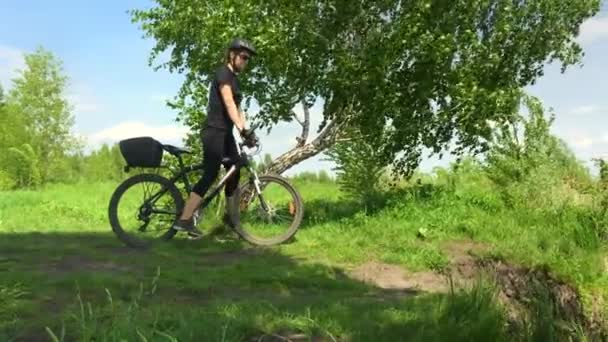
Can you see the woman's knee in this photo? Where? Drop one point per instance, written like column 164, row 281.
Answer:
column 232, row 183
column 210, row 173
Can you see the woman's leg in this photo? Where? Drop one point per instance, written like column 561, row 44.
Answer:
column 230, row 151
column 213, row 150
column 233, row 182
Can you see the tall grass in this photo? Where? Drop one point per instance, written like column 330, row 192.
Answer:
column 529, row 203
column 468, row 314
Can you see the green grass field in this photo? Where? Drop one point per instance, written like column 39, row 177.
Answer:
column 61, row 267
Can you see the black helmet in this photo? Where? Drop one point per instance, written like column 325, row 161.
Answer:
column 239, row 43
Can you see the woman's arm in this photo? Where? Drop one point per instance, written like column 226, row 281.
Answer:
column 233, row 113
column 243, row 118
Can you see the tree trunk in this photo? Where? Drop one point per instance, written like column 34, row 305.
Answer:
column 303, row 151
column 293, row 157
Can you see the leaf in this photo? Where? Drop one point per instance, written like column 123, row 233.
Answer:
column 457, row 64
column 51, row 334
column 422, row 233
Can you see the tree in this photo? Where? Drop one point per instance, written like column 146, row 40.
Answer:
column 407, row 75
column 105, row 163
column 2, row 100
column 23, row 166
column 37, row 98
column 530, row 166
column 12, row 135
column 358, row 168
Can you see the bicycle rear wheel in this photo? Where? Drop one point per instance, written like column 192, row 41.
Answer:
column 143, row 210
column 269, row 217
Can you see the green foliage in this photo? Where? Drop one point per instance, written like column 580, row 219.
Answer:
column 91, row 321
column 431, row 72
column 36, row 145
column 359, row 167
column 24, row 166
column 11, row 296
column 103, row 164
column 314, row 177
column 261, row 166
column 12, row 133
column 324, row 177
column 6, row 181
column 37, row 115
column 532, row 167
column 309, row 278
column 467, row 181
column 600, row 218
column 464, row 315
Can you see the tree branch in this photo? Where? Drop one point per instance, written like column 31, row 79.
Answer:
column 351, row 139
column 295, row 116
column 329, row 134
column 305, row 124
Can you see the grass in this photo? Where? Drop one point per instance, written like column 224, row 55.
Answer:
column 62, row 268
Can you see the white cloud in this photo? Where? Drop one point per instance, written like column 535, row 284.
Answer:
column 11, row 59
column 169, row 134
column 582, row 142
column 594, row 29
column 582, row 110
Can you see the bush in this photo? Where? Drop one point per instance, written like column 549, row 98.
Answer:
column 23, row 168
column 324, row 177
column 6, row 181
column 310, row 176
column 103, row 164
column 467, row 181
column 533, row 168
column 359, row 168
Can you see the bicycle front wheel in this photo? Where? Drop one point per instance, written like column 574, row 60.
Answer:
column 269, row 217
column 144, row 208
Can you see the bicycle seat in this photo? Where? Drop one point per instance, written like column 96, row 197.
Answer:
column 174, row 150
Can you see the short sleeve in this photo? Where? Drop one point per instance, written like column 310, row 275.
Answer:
column 224, row 76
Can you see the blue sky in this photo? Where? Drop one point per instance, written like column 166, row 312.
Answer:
column 116, row 94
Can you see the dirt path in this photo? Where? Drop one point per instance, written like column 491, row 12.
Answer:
column 518, row 286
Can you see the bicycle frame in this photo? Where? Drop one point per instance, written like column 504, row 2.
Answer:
column 242, row 162
column 181, row 174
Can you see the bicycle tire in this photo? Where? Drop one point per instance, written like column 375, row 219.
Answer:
column 234, row 210
column 122, row 188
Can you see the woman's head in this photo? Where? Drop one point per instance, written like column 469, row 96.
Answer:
column 238, row 54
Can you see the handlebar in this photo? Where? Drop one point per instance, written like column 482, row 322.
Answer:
column 257, row 145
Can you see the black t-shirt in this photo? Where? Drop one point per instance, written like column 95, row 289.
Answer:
column 217, row 115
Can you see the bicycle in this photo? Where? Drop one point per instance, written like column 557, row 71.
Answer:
column 146, row 152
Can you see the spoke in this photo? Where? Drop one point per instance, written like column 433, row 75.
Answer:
column 160, row 211
column 280, row 213
column 287, row 217
column 146, row 191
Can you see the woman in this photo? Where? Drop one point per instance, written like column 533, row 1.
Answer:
column 218, row 141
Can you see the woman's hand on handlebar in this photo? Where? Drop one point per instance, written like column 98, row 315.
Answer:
column 249, row 137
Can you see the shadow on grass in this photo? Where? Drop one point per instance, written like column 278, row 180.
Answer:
column 323, row 211
column 214, row 291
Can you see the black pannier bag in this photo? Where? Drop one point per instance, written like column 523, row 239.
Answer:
column 141, row 152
